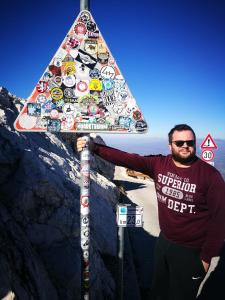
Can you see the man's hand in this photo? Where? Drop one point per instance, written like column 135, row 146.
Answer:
column 205, row 265
column 81, row 143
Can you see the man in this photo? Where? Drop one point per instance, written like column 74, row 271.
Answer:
column 191, row 208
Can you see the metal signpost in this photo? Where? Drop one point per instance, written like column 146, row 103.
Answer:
column 127, row 216
column 82, row 90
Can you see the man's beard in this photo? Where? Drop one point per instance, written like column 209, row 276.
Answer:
column 184, row 160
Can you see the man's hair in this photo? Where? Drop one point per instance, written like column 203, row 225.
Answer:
column 180, row 127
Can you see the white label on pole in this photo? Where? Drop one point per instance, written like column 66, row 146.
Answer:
column 129, row 216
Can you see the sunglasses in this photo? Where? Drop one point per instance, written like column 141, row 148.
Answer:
column 189, row 143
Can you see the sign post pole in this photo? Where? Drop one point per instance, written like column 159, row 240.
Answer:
column 85, row 218
column 127, row 216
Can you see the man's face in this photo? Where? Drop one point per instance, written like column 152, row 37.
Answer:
column 183, row 152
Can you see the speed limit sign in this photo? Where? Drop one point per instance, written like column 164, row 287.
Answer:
column 207, row 155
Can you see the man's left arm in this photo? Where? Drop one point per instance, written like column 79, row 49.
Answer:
column 216, row 226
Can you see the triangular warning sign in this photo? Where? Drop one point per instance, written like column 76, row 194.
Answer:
column 208, row 143
column 82, row 89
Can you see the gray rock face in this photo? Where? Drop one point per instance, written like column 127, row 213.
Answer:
column 40, row 215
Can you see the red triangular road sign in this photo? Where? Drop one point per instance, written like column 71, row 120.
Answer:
column 208, row 143
column 82, row 89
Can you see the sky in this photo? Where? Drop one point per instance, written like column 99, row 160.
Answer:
column 171, row 53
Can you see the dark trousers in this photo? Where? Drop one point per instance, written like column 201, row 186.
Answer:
column 178, row 271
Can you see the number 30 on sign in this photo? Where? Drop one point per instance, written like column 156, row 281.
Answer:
column 207, row 155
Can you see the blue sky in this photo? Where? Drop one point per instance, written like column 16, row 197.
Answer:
column 172, row 54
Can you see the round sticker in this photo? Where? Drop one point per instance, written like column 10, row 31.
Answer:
column 58, row 80
column 41, row 98
column 57, row 62
column 137, row 115
column 56, row 93
column 85, row 17
column 82, row 86
column 93, row 109
column 95, row 73
column 68, row 109
column 80, row 28
column 27, row 122
column 91, row 26
column 107, row 72
column 69, row 80
column 103, row 58
column 69, row 93
column 54, row 114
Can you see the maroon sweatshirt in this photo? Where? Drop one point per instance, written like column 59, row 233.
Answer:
column 191, row 201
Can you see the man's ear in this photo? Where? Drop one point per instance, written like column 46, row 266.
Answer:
column 170, row 147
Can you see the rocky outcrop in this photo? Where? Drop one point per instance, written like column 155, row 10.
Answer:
column 40, row 215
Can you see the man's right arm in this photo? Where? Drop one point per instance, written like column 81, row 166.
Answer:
column 120, row 158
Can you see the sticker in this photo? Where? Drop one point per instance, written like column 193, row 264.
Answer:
column 47, row 76
column 94, row 74
column 80, row 28
column 84, row 210
column 107, row 84
column 124, row 122
column 55, row 70
column 33, row 109
column 86, row 255
column 68, row 123
column 84, row 244
column 27, row 122
column 58, row 80
column 53, row 125
column 84, row 201
column 69, row 68
column 41, row 98
column 57, row 62
column 82, row 86
column 94, row 35
column 91, row 26
column 85, row 17
column 84, row 221
column 54, row 114
column 93, row 109
column 72, row 42
column 91, row 46
column 56, row 93
column 42, row 86
column 103, row 58
column 141, row 126
column 85, row 169
column 69, row 109
column 107, row 72
column 95, row 85
column 69, row 80
column 86, row 59
column 48, row 106
column 69, row 93
column 86, row 181
column 137, row 115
